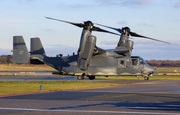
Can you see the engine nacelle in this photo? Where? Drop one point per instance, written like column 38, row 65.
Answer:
column 130, row 45
column 127, row 44
column 84, row 37
column 122, row 41
column 87, row 52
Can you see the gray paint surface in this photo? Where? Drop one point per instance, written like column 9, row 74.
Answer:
column 91, row 60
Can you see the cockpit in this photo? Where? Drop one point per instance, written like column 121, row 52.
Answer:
column 145, row 68
column 136, row 60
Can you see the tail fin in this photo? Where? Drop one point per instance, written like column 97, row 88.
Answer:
column 36, row 47
column 20, row 51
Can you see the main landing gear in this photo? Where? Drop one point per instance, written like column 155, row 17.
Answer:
column 81, row 77
column 91, row 77
column 146, row 78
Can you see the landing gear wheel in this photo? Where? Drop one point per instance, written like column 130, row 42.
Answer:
column 80, row 77
column 146, row 78
column 91, row 77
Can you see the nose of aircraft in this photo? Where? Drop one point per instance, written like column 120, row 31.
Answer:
column 151, row 70
column 148, row 69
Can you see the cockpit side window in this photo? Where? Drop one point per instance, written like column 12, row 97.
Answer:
column 134, row 61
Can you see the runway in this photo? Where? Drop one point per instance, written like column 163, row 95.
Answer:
column 134, row 97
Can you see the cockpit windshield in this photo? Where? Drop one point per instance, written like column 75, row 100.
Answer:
column 136, row 60
column 142, row 61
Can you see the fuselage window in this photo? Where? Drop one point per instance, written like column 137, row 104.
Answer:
column 122, row 63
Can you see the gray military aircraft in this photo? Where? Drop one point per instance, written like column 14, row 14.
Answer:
column 91, row 60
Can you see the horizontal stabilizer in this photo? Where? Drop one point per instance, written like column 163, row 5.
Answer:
column 20, row 51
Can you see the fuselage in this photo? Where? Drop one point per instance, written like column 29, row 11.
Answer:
column 105, row 64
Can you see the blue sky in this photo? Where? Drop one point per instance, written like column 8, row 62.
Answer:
column 158, row 19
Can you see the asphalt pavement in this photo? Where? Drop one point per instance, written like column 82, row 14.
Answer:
column 134, row 97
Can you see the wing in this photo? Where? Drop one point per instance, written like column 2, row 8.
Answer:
column 98, row 51
column 119, row 52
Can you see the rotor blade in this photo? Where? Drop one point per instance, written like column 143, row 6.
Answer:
column 117, row 29
column 101, row 30
column 137, row 35
column 76, row 24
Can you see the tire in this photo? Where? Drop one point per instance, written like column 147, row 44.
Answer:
column 91, row 77
column 146, row 78
column 80, row 77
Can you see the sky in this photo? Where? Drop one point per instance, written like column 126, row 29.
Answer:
column 159, row 19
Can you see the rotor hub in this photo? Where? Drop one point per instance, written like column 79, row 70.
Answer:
column 126, row 31
column 88, row 25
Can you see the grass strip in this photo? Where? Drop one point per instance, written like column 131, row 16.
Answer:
column 26, row 68
column 12, row 88
column 167, row 70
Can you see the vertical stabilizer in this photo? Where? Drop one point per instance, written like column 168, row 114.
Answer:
column 20, row 51
column 36, row 47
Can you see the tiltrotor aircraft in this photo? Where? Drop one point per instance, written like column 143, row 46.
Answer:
column 91, row 60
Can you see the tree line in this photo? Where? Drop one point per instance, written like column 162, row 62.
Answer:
column 164, row 63
column 8, row 59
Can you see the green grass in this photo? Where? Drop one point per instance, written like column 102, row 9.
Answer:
column 29, row 75
column 167, row 70
column 11, row 88
column 26, row 68
column 165, row 77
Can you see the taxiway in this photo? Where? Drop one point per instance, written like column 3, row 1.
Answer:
column 134, row 97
